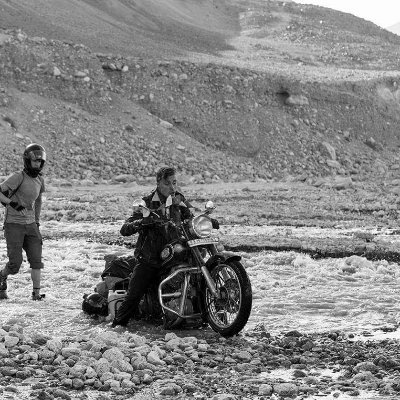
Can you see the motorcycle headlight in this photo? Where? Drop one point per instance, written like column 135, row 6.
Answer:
column 201, row 226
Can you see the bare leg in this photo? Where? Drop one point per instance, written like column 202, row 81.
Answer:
column 36, row 275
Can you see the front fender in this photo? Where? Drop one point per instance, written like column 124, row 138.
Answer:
column 221, row 258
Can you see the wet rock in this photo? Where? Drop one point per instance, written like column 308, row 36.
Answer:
column 25, row 374
column 154, row 358
column 102, row 366
column 168, row 388
column 265, row 390
column 224, row 396
column 122, row 365
column 366, row 366
column 90, row 373
column 78, row 383
column 286, row 389
column 364, row 376
column 3, row 350
column 44, row 395
column 297, row 373
column 70, row 351
column 106, row 376
column 243, row 356
column 77, row 371
column 39, row 338
column 54, row 345
column 66, row 382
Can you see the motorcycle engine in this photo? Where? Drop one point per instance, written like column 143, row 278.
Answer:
column 174, row 305
column 173, row 251
column 174, row 285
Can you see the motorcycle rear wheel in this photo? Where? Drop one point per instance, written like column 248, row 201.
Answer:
column 229, row 314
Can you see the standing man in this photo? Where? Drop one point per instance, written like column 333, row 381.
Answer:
column 151, row 240
column 21, row 194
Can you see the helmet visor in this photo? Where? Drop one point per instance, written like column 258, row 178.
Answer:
column 36, row 155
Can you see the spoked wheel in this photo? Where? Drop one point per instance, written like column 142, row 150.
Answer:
column 228, row 314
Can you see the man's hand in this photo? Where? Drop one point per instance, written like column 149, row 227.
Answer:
column 135, row 225
column 148, row 222
column 131, row 227
column 16, row 206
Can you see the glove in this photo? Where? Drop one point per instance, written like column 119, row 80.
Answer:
column 147, row 222
column 215, row 223
column 16, row 206
column 135, row 226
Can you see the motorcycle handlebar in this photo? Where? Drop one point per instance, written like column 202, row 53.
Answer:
column 158, row 223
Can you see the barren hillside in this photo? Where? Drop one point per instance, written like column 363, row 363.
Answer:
column 223, row 89
column 141, row 28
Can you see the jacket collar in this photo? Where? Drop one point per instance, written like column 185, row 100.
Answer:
column 158, row 197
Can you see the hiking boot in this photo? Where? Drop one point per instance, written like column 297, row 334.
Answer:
column 3, row 282
column 116, row 323
column 3, row 295
column 37, row 296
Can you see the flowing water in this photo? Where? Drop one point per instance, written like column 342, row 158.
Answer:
column 291, row 290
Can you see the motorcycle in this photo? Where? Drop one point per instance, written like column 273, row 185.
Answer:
column 198, row 281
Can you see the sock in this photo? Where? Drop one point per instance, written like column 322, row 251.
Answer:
column 36, row 291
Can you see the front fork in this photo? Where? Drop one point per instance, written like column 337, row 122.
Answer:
column 204, row 270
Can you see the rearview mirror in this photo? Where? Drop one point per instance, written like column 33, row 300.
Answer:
column 140, row 205
column 210, row 207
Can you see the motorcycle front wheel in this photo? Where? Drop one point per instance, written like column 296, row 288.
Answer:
column 228, row 314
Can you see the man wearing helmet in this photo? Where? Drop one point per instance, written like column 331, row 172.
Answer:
column 21, row 194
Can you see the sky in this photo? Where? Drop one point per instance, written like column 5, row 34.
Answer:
column 381, row 12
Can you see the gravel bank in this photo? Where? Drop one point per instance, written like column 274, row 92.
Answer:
column 200, row 364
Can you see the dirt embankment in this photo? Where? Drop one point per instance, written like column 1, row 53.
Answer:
column 213, row 121
column 146, row 29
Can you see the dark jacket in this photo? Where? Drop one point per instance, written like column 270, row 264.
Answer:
column 153, row 238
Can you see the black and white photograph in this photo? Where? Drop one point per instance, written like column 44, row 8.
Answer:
column 199, row 200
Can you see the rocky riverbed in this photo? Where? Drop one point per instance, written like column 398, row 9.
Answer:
column 123, row 365
column 321, row 327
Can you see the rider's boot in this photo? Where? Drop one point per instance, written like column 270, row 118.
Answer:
column 36, row 296
column 3, row 287
column 115, row 323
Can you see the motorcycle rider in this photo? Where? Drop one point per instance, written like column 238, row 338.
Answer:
column 21, row 194
column 151, row 240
